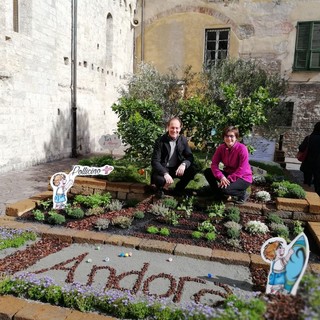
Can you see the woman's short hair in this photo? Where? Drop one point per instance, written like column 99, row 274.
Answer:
column 227, row 129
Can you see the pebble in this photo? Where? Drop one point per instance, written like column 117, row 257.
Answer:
column 97, row 248
column 89, row 260
column 106, row 259
column 169, row 259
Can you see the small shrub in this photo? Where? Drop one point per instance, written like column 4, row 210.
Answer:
column 98, row 161
column 296, row 192
column 164, row 231
column 115, row 205
column 38, row 215
column 75, row 213
column 206, row 226
column 197, row 234
column 131, row 203
column 126, row 173
column 94, row 211
column 210, row 236
column 273, row 217
column 101, row 224
column 274, row 178
column 233, row 214
column 139, row 214
column 297, row 228
column 263, row 196
column 159, row 209
column 288, row 190
column 172, row 217
column 152, row 230
column 233, row 229
column 216, row 210
column 93, row 200
column 258, row 180
column 122, row 221
column 272, row 169
column 279, row 230
column 187, row 206
column 171, row 203
column 46, row 204
column 235, row 243
column 256, row 227
column 56, row 218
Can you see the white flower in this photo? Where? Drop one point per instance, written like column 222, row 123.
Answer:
column 263, row 196
column 256, row 227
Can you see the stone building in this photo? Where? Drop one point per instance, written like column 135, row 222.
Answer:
column 55, row 96
column 283, row 34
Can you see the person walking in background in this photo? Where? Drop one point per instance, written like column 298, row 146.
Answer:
column 172, row 158
column 311, row 165
column 236, row 175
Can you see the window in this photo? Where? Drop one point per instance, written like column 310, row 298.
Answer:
column 15, row 15
column 216, row 47
column 109, row 40
column 307, row 53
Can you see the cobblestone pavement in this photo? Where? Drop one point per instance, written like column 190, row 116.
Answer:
column 22, row 184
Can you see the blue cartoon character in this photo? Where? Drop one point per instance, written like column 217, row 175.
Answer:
column 287, row 263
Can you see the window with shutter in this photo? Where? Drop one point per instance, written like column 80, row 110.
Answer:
column 307, row 52
column 16, row 15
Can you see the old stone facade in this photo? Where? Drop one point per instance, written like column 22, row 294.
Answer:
column 36, row 77
column 36, row 63
column 174, row 33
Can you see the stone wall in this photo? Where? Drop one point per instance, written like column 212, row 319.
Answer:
column 172, row 33
column 35, row 77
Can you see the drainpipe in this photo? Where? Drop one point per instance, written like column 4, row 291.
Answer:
column 142, row 30
column 74, row 78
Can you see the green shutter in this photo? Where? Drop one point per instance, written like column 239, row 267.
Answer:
column 315, row 47
column 307, row 53
column 302, row 46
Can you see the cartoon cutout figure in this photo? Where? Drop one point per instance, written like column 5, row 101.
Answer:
column 287, row 263
column 62, row 182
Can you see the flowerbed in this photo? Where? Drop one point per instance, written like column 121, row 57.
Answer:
column 185, row 222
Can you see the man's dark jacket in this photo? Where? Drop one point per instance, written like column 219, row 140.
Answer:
column 161, row 152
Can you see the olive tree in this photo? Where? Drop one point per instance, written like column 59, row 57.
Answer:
column 146, row 103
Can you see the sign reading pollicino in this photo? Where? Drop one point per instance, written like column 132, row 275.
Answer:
column 61, row 182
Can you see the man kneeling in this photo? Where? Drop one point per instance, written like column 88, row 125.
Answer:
column 172, row 158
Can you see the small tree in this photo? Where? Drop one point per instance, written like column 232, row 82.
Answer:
column 140, row 123
column 145, row 105
column 248, row 76
column 205, row 121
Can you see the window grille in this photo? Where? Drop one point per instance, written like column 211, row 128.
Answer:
column 216, row 46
